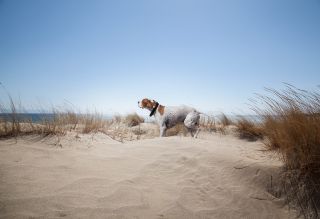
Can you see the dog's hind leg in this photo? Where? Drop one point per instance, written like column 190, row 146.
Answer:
column 192, row 123
column 191, row 130
column 197, row 132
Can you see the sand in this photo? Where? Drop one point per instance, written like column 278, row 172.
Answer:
column 93, row 176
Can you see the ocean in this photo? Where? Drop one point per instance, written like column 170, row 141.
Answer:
column 34, row 117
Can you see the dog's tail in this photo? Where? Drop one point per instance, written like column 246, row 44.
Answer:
column 206, row 116
column 201, row 113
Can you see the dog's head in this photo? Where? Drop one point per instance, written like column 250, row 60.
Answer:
column 147, row 104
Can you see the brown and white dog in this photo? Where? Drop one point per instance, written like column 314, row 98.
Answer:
column 169, row 116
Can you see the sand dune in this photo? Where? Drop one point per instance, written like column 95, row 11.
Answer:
column 93, row 176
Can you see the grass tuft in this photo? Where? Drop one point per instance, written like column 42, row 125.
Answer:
column 178, row 129
column 208, row 124
column 133, row 119
column 248, row 129
column 92, row 122
column 10, row 126
column 224, row 120
column 291, row 125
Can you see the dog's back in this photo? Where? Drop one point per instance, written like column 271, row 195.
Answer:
column 176, row 114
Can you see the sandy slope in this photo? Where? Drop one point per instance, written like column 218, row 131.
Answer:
column 176, row 177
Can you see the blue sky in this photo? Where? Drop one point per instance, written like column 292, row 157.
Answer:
column 106, row 55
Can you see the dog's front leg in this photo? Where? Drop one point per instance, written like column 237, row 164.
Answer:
column 163, row 130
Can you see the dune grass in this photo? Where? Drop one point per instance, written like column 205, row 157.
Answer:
column 208, row 123
column 178, row 129
column 224, row 120
column 133, row 119
column 93, row 122
column 215, row 125
column 291, row 126
column 58, row 122
column 12, row 124
column 248, row 129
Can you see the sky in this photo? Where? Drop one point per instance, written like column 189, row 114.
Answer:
column 106, row 55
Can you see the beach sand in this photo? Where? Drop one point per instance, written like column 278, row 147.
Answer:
column 93, row 176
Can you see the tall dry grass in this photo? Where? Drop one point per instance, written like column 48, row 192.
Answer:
column 58, row 123
column 10, row 126
column 133, row 119
column 291, row 125
column 208, row 123
column 92, row 122
column 225, row 120
column 178, row 129
column 217, row 125
column 248, row 129
column 223, row 123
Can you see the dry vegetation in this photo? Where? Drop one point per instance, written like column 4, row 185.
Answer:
column 60, row 122
column 133, row 119
column 93, row 122
column 179, row 129
column 55, row 123
column 291, row 126
column 216, row 124
column 11, row 127
column 248, row 129
column 289, row 123
column 208, row 123
column 224, row 120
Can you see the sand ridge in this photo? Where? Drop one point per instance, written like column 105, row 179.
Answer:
column 215, row 176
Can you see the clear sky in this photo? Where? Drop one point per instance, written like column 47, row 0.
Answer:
column 106, row 55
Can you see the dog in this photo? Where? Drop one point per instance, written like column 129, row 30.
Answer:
column 169, row 116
